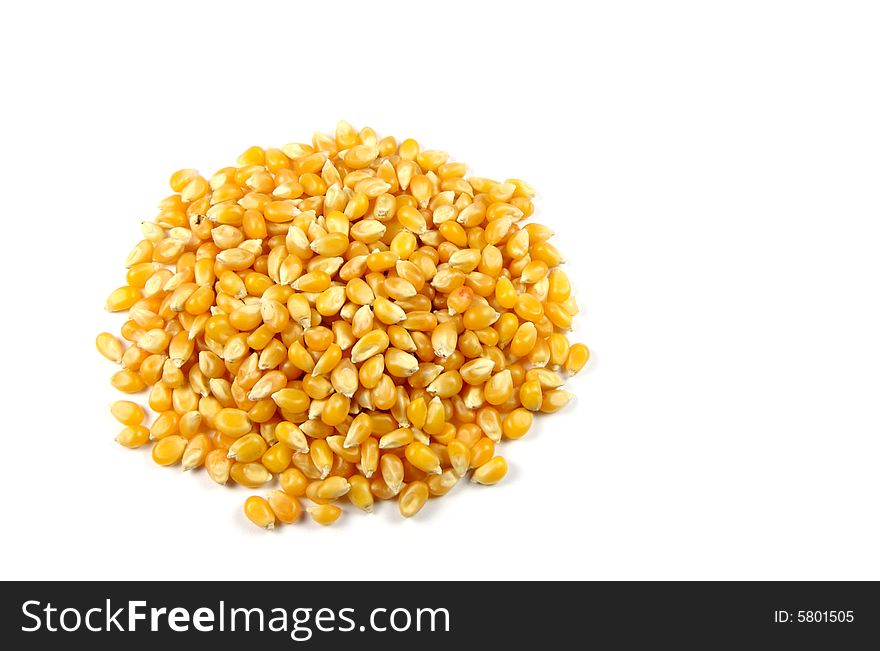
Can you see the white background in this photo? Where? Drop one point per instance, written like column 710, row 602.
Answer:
column 711, row 170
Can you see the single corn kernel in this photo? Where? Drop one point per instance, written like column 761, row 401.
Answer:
column 332, row 488
column 232, row 422
column 127, row 412
column 423, row 458
column 169, row 450
column 218, row 466
column 249, row 447
column 359, row 493
column 490, row 472
column 517, row 423
column 459, row 456
column 499, row 388
column 530, row 395
column 293, row 482
column 555, row 400
column 325, row 514
column 412, row 498
column 127, row 381
column 285, row 507
column 122, row 298
column 578, row 356
column 133, row 436
column 258, row 511
column 109, row 346
column 196, row 451
column 251, row 475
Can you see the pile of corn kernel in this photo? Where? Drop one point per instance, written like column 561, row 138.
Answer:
column 353, row 317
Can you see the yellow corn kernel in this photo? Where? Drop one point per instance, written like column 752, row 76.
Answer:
column 293, row 482
column 488, row 421
column 548, row 379
column 391, row 468
column 559, row 349
column 165, row 425
column 530, row 395
column 482, row 451
column 358, row 431
column 397, row 438
column 258, row 511
column 122, row 298
column 316, row 338
column 372, row 343
column 412, row 498
column 435, row 418
column 251, row 475
column 555, row 400
column 270, row 383
column 477, row 371
column 423, row 458
column 524, row 340
column 218, row 466
column 332, row 488
column 417, row 412
column 189, row 424
column 133, row 436
column 169, row 450
column 290, row 399
column 560, row 288
column 335, row 410
column 490, row 472
column 498, row 388
column 528, row 307
column 359, row 493
column 445, row 385
column 459, row 456
column 557, row 315
column 369, row 457
column 127, row 381
column 399, row 363
column 109, row 346
column 517, row 423
column 322, row 456
column 249, row 447
column 325, row 514
column 127, row 412
column 578, row 356
column 441, row 484
column 444, row 339
column 286, row 507
column 232, row 422
column 196, row 451
column 387, row 312
column 291, row 436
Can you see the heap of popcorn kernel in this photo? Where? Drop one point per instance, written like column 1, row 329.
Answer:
column 353, row 316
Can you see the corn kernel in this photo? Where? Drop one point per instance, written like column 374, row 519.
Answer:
column 258, row 511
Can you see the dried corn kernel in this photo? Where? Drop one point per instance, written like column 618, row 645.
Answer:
column 258, row 511
column 325, row 514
